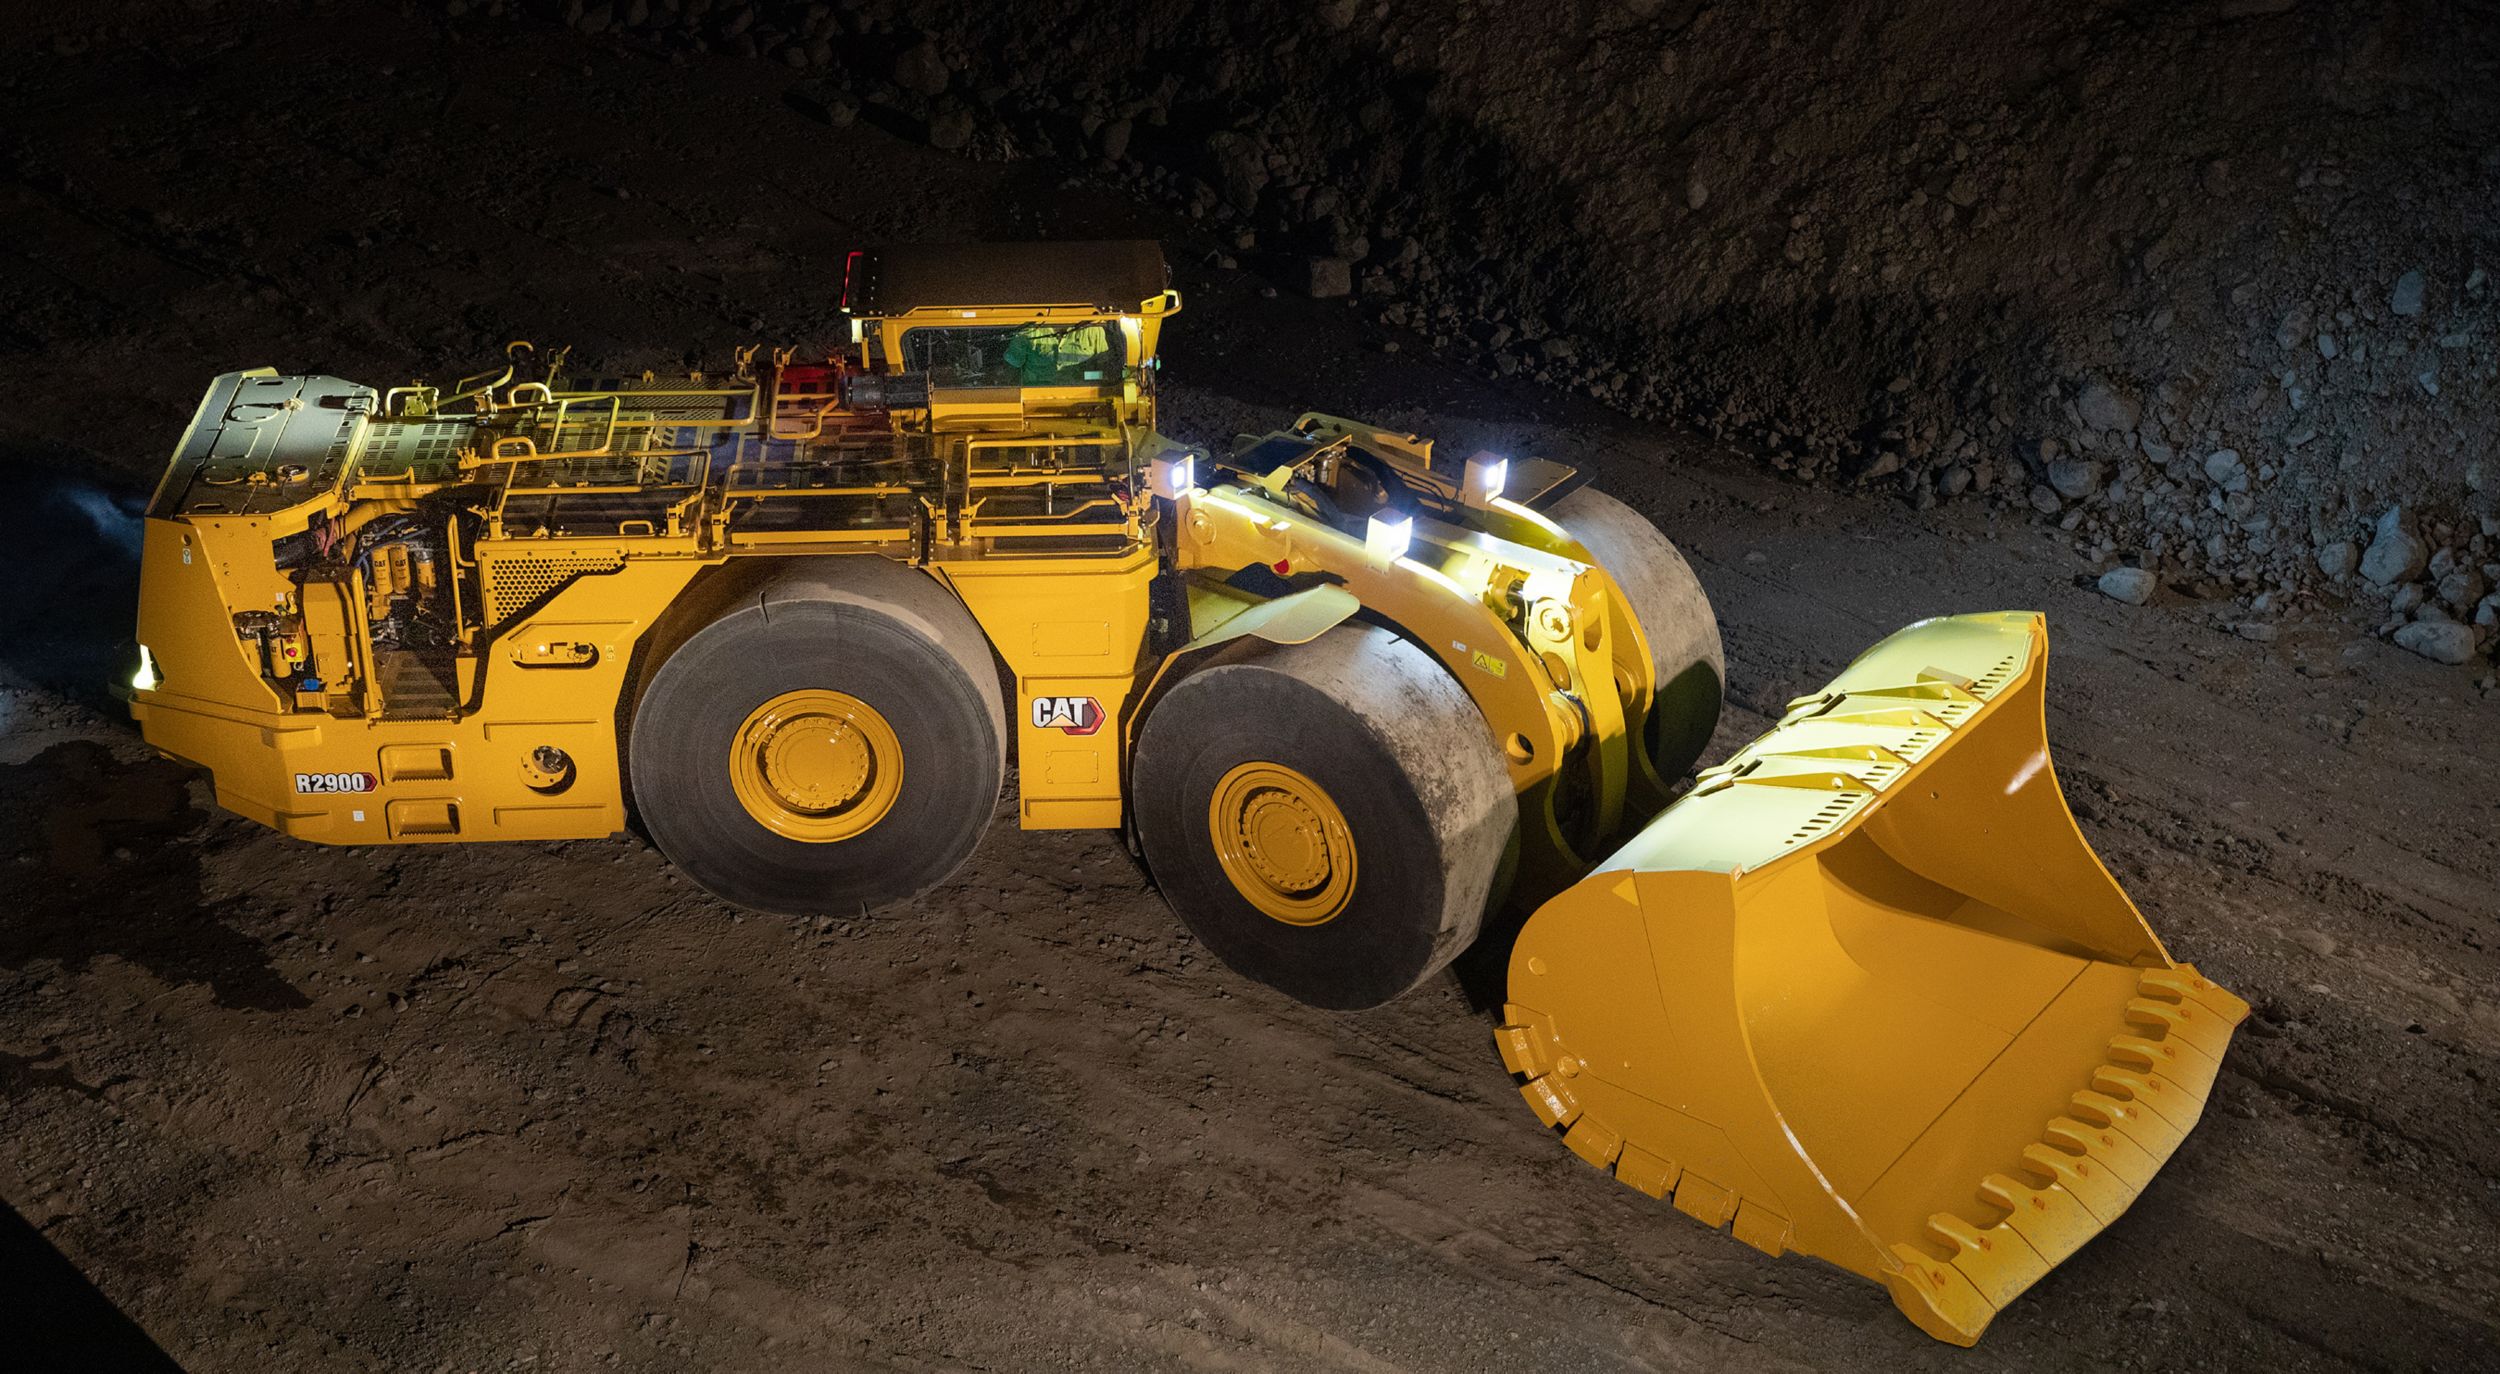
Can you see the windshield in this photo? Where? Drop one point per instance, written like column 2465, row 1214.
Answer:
column 1085, row 354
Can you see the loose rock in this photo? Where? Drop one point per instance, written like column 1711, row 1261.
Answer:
column 2395, row 554
column 2075, row 478
column 2406, row 298
column 1323, row 278
column 2131, row 585
column 951, row 129
column 2441, row 641
column 1239, row 166
column 922, row 70
column 2105, row 409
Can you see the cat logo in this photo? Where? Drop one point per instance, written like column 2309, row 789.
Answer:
column 1067, row 715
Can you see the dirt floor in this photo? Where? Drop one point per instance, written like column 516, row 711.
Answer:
column 549, row 1106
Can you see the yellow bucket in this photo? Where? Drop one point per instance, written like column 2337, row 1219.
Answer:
column 1866, row 993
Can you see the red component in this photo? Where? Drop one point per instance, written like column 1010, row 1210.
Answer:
column 804, row 397
column 850, row 266
column 1284, row 567
column 809, row 379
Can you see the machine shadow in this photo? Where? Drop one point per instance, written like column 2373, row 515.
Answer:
column 99, row 848
column 59, row 1320
column 1483, row 968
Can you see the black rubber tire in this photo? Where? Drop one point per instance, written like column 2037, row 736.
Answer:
column 882, row 632
column 1674, row 613
column 1407, row 759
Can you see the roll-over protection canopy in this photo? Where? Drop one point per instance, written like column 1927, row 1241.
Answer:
column 1108, row 275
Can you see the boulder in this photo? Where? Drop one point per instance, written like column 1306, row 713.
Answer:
column 2131, row 585
column 922, row 70
column 1237, row 168
column 2461, row 588
column 2075, row 478
column 2396, row 554
column 951, row 128
column 1323, row 278
column 2104, row 408
column 2441, row 641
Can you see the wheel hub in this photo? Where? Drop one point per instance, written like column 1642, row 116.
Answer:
column 1283, row 843
column 816, row 765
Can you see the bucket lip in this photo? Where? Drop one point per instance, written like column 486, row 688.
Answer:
column 1805, row 783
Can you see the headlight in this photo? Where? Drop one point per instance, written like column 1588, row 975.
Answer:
column 1390, row 538
column 147, row 678
column 1486, row 476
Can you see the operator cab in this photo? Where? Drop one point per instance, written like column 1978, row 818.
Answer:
column 985, row 336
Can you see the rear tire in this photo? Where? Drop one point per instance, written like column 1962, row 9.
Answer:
column 834, row 739
column 1675, row 615
column 1329, row 818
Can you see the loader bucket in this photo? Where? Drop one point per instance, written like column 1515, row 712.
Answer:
column 1866, row 993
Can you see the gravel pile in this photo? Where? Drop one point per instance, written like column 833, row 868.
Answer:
column 2207, row 285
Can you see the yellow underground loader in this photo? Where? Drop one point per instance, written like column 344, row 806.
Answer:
column 1862, row 992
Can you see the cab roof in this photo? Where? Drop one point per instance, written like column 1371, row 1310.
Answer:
column 1104, row 275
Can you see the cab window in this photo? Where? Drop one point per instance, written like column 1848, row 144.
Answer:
column 1081, row 354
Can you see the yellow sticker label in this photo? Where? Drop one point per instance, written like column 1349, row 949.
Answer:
column 1489, row 663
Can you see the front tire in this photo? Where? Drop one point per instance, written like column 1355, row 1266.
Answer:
column 1686, row 659
column 1329, row 818
column 835, row 739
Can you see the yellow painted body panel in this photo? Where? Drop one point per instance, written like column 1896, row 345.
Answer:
column 1867, row 993
column 1073, row 631
column 344, row 775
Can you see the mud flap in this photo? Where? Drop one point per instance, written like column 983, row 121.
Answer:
column 1867, row 994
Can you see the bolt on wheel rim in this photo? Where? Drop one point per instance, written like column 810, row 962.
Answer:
column 816, row 765
column 1283, row 843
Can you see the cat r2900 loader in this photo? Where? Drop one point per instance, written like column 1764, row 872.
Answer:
column 1863, row 991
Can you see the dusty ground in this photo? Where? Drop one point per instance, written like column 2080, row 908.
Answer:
column 548, row 1106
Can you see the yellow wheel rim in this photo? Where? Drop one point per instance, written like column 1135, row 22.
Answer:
column 1284, row 844
column 816, row 765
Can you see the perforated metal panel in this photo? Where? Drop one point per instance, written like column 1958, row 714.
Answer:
column 513, row 585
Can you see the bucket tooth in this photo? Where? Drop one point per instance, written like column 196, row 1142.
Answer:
column 1937, row 1296
column 1704, row 1201
column 1996, row 1259
column 1639, row 1169
column 2113, row 1150
column 2151, row 1132
column 1551, row 1101
column 2049, row 1217
column 1594, row 1141
column 1760, row 1227
column 2099, row 1188
column 1866, row 993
